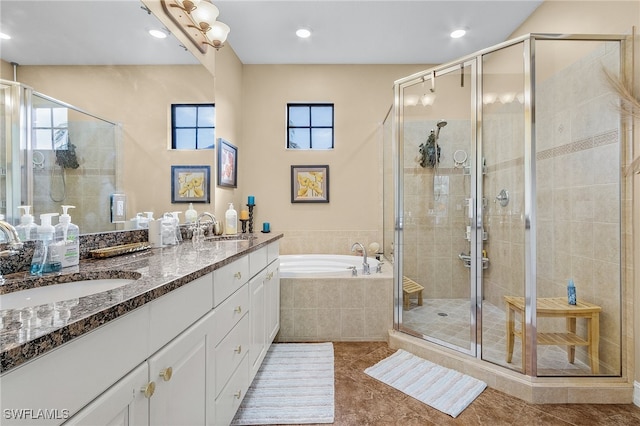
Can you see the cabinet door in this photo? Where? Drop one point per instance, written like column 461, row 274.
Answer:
column 257, row 349
column 179, row 370
column 272, row 292
column 123, row 404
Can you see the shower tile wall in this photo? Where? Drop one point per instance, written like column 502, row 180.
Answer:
column 88, row 187
column 326, row 241
column 434, row 226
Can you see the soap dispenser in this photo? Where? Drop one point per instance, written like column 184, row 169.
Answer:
column 69, row 236
column 27, row 230
column 46, row 234
column 231, row 221
column 191, row 215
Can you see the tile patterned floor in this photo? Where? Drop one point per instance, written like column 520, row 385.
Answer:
column 361, row 400
column 448, row 320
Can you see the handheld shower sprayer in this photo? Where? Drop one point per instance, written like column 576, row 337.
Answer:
column 440, row 124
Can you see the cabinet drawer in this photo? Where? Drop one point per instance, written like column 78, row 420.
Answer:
column 229, row 400
column 229, row 278
column 273, row 251
column 229, row 312
column 231, row 351
column 176, row 311
column 257, row 261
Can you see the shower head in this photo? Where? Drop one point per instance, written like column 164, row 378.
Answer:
column 440, row 124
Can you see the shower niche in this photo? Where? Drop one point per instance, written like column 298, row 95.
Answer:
column 506, row 179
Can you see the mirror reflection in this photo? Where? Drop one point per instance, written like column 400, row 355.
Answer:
column 97, row 127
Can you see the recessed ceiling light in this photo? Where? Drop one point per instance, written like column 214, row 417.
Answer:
column 158, row 33
column 303, row 33
column 5, row 36
column 458, row 33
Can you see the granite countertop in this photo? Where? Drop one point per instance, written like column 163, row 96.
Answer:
column 30, row 332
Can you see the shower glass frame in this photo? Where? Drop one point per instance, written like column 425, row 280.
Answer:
column 529, row 289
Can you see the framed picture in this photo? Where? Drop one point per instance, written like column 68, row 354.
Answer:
column 190, row 184
column 310, row 184
column 227, row 164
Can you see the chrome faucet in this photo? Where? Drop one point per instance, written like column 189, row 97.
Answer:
column 13, row 241
column 12, row 235
column 365, row 264
column 197, row 233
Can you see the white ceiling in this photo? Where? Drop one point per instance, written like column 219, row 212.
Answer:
column 99, row 32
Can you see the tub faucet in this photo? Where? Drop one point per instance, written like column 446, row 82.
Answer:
column 365, row 264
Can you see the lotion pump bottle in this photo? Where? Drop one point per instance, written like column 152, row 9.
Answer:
column 231, row 221
column 69, row 234
column 46, row 233
column 27, row 230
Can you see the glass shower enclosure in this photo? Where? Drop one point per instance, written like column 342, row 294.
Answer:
column 54, row 154
column 507, row 184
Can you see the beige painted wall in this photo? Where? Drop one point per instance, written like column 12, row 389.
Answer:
column 362, row 95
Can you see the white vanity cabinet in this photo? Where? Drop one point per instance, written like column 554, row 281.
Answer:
column 169, row 387
column 231, row 341
column 186, row 358
column 265, row 303
column 124, row 404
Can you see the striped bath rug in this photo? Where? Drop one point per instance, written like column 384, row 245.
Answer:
column 442, row 388
column 294, row 385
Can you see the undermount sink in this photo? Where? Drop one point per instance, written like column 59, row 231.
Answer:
column 59, row 292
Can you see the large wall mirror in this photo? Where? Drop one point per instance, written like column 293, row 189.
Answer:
column 102, row 91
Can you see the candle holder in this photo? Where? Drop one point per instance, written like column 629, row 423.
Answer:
column 244, row 225
column 251, row 206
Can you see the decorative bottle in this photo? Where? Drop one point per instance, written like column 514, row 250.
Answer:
column 231, row 221
column 571, row 293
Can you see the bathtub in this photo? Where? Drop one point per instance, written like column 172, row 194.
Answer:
column 322, row 265
column 321, row 301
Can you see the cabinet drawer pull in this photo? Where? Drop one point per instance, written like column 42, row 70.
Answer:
column 270, row 276
column 238, row 275
column 238, row 349
column 148, row 389
column 166, row 374
column 238, row 394
column 238, row 309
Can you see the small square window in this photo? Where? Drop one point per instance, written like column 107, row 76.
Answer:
column 310, row 126
column 193, row 126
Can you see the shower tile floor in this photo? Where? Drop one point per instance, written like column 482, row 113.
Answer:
column 448, row 320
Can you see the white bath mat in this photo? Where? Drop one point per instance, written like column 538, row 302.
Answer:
column 442, row 388
column 294, row 385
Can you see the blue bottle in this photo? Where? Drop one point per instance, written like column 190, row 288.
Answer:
column 571, row 292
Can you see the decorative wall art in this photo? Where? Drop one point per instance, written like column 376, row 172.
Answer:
column 310, row 184
column 227, row 164
column 190, row 184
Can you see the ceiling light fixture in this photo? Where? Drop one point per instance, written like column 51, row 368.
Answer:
column 4, row 36
column 158, row 33
column 200, row 15
column 458, row 33
column 303, row 33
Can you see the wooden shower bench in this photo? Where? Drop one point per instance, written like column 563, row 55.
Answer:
column 557, row 307
column 410, row 287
